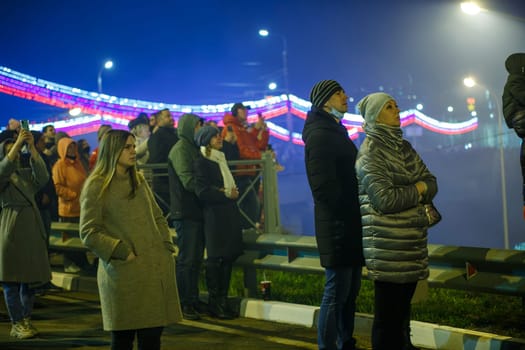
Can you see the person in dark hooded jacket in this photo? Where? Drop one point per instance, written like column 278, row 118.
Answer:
column 514, row 104
column 186, row 212
column 330, row 157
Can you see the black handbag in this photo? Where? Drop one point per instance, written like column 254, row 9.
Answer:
column 433, row 214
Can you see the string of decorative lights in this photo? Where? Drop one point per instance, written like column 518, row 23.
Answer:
column 97, row 108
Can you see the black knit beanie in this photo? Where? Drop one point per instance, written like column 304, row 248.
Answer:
column 322, row 91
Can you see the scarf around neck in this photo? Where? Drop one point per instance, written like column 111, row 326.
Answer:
column 227, row 177
column 389, row 135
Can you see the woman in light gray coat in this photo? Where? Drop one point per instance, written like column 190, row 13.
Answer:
column 136, row 273
column 394, row 186
column 23, row 249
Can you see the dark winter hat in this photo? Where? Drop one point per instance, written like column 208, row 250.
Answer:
column 141, row 119
column 204, row 135
column 322, row 91
column 236, row 106
column 371, row 105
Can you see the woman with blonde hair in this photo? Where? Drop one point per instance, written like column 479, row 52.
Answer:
column 136, row 273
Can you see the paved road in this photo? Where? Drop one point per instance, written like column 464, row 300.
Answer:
column 71, row 320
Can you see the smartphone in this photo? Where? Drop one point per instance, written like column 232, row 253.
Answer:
column 24, row 124
column 229, row 128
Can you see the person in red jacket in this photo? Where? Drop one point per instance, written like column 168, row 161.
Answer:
column 251, row 142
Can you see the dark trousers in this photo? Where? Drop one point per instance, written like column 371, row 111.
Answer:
column 190, row 240
column 391, row 311
column 335, row 327
column 147, row 339
column 218, row 276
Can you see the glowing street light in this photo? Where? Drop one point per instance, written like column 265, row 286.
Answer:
column 264, row 33
column 470, row 8
column 107, row 65
column 471, row 82
column 272, row 86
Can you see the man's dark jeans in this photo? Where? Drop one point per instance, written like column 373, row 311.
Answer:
column 336, row 317
column 190, row 240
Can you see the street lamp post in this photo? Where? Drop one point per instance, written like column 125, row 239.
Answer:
column 284, row 54
column 471, row 82
column 107, row 65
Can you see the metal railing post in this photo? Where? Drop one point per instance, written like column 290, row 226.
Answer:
column 272, row 218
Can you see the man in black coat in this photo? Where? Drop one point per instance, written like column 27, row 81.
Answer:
column 159, row 146
column 330, row 158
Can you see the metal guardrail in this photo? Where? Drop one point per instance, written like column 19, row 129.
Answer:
column 497, row 271
column 265, row 170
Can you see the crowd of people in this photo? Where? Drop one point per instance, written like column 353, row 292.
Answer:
column 48, row 176
column 373, row 207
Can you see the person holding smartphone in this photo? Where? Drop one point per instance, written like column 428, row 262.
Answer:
column 23, row 250
column 251, row 143
column 260, row 126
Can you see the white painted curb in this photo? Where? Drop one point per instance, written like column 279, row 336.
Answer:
column 425, row 335
column 275, row 311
